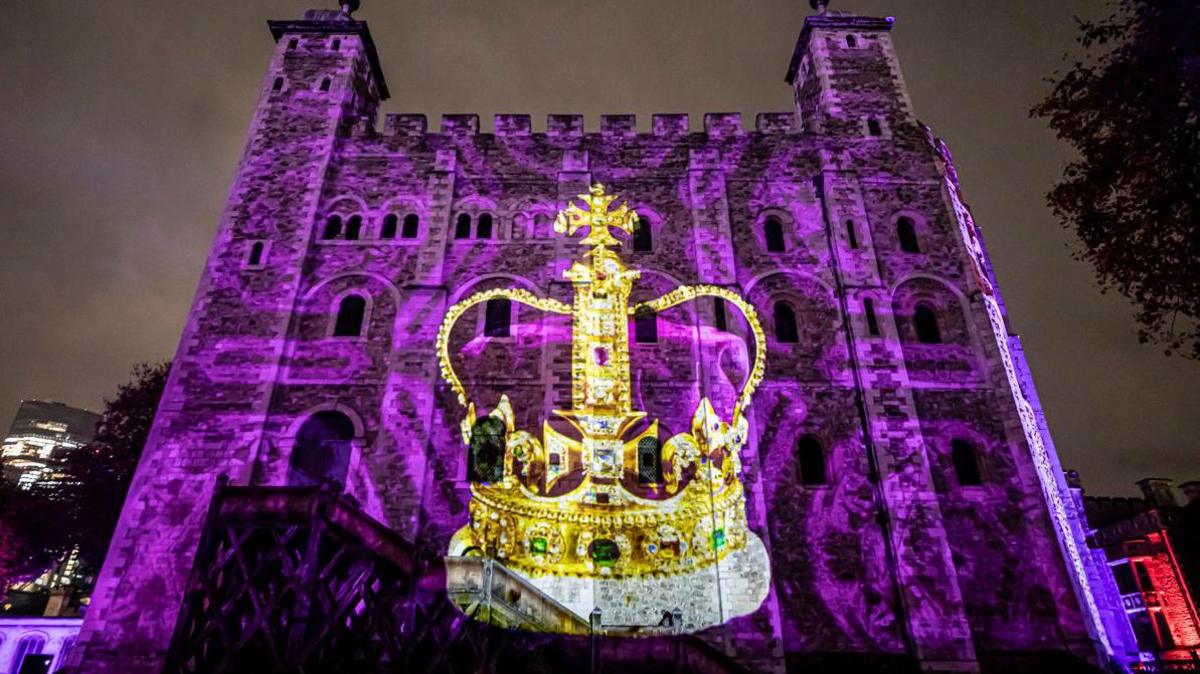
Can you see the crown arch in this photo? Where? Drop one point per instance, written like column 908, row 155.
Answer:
column 665, row 371
column 483, row 367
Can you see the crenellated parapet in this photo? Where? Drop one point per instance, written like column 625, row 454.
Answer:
column 615, row 126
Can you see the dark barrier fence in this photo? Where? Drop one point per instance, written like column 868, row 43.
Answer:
column 301, row 580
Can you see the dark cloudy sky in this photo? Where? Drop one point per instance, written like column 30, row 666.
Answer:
column 123, row 119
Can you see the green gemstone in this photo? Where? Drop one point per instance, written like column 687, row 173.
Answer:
column 604, row 552
column 718, row 539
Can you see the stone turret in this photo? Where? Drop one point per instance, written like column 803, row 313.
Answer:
column 846, row 77
column 1159, row 491
column 323, row 77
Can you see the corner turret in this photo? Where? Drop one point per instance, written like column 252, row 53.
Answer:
column 846, row 77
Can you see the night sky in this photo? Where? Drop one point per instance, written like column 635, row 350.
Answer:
column 123, row 121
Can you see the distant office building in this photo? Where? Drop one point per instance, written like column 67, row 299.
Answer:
column 1152, row 545
column 42, row 434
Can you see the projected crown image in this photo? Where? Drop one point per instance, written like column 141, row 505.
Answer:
column 603, row 503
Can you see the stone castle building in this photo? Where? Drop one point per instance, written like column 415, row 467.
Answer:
column 898, row 469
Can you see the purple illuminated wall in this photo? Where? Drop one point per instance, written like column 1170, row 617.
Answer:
column 893, row 555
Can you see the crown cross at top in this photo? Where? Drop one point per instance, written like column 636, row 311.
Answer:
column 597, row 218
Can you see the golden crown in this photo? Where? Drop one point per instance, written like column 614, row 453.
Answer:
column 575, row 506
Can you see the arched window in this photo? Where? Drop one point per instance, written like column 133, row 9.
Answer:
column 350, row 315
column 256, row 254
column 353, row 228
column 337, row 44
column 719, row 317
column 483, row 230
column 388, row 230
column 926, row 324
column 322, row 450
column 278, row 85
column 649, row 461
column 325, row 84
column 643, row 236
column 645, row 327
column 872, row 322
column 412, row 223
column 810, row 458
column 773, row 231
column 333, row 227
column 485, row 458
column 30, row 645
column 966, row 463
column 785, row 324
column 906, row 230
column 873, row 127
column 462, row 227
column 851, row 234
column 851, row 42
column 497, row 317
column 64, row 652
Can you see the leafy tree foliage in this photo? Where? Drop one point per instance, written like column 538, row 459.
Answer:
column 41, row 525
column 98, row 475
column 1131, row 108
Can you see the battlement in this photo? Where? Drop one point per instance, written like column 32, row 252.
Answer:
column 716, row 124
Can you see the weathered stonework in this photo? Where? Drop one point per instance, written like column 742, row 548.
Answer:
column 890, row 557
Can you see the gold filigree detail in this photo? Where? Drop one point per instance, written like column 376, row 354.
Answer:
column 686, row 294
column 598, row 218
column 457, row 310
